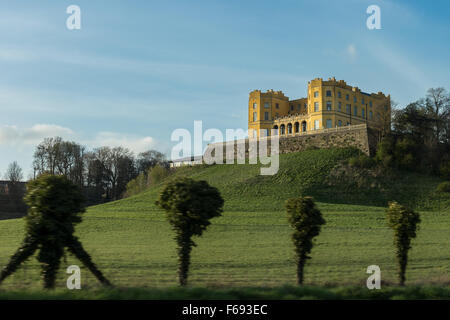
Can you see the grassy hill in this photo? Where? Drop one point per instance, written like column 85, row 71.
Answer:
column 307, row 173
column 249, row 245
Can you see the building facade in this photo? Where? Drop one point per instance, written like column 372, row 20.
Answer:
column 329, row 104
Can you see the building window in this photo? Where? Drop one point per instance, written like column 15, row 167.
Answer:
column 370, row 115
column 255, row 105
column 385, row 108
column 339, row 106
column 339, row 123
column 316, row 124
column 299, row 107
column 355, row 110
column 292, row 108
column 348, row 109
column 304, row 126
column 277, row 106
column 266, row 116
column 328, row 105
column 316, row 106
column 329, row 123
column 266, row 105
column 347, row 97
column 348, row 123
column 316, row 94
column 339, row 94
column 354, row 99
column 363, row 113
column 255, row 116
column 362, row 101
column 370, row 103
column 328, row 93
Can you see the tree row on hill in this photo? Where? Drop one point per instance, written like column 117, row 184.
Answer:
column 103, row 173
column 420, row 136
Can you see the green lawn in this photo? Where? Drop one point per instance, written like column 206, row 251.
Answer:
column 249, row 246
column 135, row 249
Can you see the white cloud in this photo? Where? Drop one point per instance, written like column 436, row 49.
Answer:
column 175, row 71
column 351, row 50
column 14, row 55
column 18, row 144
column 29, row 136
column 135, row 143
column 21, row 138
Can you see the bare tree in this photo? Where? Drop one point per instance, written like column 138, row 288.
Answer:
column 59, row 157
column 114, row 168
column 437, row 104
column 383, row 119
column 14, row 172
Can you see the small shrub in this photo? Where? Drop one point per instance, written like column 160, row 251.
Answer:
column 306, row 221
column 444, row 187
column 445, row 170
column 157, row 174
column 143, row 181
column 404, row 222
column 137, row 185
column 362, row 161
column 189, row 205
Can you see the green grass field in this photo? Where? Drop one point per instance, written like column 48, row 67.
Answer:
column 249, row 246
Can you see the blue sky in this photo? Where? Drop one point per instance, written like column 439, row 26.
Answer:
column 137, row 70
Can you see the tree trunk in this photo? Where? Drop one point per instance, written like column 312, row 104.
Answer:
column 301, row 261
column 184, row 255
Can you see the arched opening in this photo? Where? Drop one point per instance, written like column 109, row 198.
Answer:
column 289, row 127
column 303, row 126
column 282, row 129
column 275, row 127
column 296, row 127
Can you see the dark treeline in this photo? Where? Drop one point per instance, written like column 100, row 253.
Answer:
column 420, row 136
column 103, row 173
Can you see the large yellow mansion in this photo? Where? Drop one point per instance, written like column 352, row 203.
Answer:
column 329, row 104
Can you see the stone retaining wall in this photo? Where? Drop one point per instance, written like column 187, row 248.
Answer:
column 359, row 136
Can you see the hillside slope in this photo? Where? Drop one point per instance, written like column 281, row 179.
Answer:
column 307, row 173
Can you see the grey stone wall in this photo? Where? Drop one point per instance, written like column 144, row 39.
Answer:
column 360, row 137
column 357, row 138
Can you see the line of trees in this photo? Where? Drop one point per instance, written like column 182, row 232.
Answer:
column 420, row 136
column 103, row 173
column 191, row 204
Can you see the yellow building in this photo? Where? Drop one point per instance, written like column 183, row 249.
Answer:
column 329, row 104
